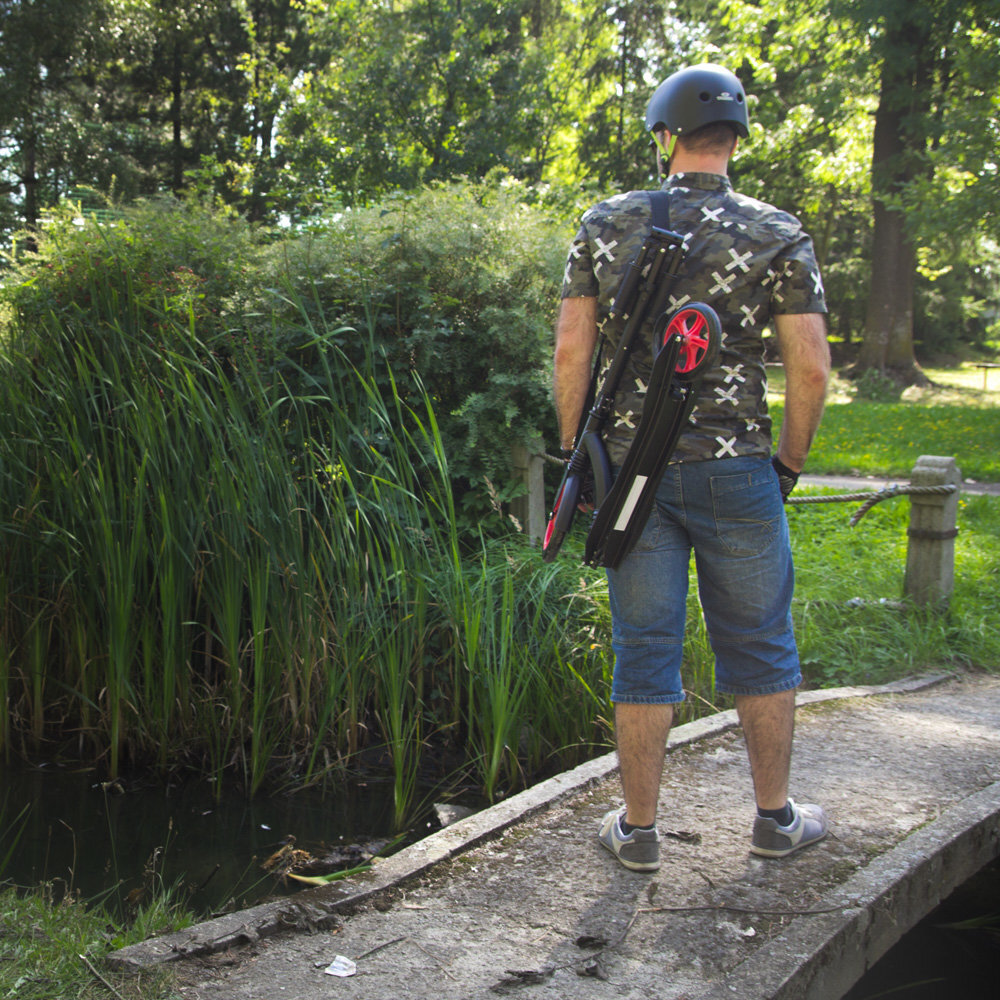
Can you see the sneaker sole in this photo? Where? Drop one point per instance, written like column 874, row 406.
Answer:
column 765, row 852
column 635, row 866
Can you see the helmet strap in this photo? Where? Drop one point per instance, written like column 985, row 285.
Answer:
column 666, row 152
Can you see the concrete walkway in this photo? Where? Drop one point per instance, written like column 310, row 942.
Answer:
column 520, row 899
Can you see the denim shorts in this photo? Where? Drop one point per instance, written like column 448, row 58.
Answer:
column 729, row 512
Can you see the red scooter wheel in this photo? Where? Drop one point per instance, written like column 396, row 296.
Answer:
column 700, row 333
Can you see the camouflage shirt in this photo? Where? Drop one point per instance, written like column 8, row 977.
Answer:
column 746, row 259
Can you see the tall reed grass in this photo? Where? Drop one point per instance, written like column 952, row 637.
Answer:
column 215, row 558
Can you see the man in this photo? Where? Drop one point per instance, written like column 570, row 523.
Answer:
column 722, row 494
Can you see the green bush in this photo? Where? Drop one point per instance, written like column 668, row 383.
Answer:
column 223, row 554
column 152, row 262
column 457, row 285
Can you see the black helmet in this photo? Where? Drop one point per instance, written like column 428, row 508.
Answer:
column 696, row 96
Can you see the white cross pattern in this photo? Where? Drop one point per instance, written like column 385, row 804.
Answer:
column 752, row 426
column 726, row 447
column 626, row 420
column 749, row 316
column 721, row 286
column 677, row 303
column 640, row 386
column 712, row 214
column 604, row 249
column 771, row 276
column 733, row 374
column 727, row 395
column 817, row 283
column 739, row 261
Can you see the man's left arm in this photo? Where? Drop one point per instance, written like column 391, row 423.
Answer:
column 805, row 355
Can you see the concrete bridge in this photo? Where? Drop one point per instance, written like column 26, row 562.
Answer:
column 521, row 900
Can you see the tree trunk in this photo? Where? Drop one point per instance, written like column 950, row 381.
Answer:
column 29, row 180
column 176, row 102
column 903, row 101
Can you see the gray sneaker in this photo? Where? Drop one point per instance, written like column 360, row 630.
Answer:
column 638, row 850
column 772, row 841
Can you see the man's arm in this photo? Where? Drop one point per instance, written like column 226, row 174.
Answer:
column 576, row 337
column 806, row 357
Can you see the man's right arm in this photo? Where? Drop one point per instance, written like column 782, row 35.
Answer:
column 576, row 337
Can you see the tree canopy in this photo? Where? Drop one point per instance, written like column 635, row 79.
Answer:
column 876, row 121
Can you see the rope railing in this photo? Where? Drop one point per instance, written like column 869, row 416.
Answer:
column 872, row 498
column 869, row 498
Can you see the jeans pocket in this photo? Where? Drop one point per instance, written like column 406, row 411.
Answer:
column 747, row 510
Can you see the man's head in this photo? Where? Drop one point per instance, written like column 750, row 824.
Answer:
column 704, row 107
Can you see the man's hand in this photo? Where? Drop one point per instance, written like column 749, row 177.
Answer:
column 586, row 498
column 786, row 477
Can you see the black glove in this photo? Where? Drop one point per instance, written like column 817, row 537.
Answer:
column 786, row 478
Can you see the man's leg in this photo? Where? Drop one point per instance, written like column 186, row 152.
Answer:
column 641, row 732
column 768, row 722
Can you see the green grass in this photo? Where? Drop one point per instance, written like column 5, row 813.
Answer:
column 953, row 417
column 54, row 947
column 852, row 624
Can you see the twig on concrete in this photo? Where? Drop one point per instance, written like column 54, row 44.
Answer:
column 528, row 977
column 106, row 984
column 379, row 947
column 434, row 959
column 753, row 910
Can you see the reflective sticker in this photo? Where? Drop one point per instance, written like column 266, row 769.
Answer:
column 628, row 508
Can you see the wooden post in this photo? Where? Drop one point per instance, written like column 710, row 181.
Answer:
column 529, row 509
column 930, row 556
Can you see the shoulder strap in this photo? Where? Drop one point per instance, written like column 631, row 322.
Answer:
column 660, row 201
column 660, row 204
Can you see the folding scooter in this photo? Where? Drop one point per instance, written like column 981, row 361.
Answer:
column 688, row 343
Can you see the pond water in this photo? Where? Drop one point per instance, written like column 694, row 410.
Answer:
column 99, row 839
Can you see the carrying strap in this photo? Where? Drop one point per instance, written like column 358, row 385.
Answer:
column 660, row 201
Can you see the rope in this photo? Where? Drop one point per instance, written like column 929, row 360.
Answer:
column 870, row 499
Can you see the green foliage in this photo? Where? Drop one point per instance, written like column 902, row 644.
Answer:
column 877, row 387
column 227, row 551
column 54, row 947
column 456, row 285
column 153, row 264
